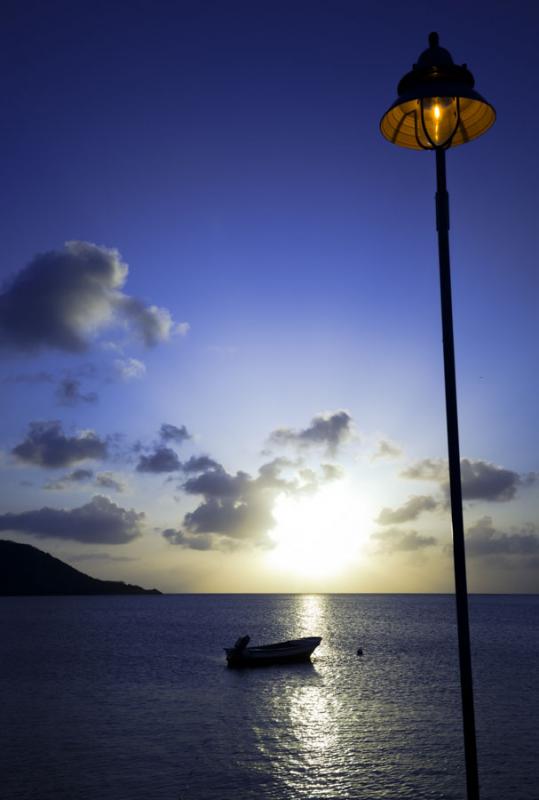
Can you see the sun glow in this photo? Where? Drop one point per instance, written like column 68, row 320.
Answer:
column 319, row 534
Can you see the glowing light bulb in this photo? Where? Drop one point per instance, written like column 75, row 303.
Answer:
column 439, row 119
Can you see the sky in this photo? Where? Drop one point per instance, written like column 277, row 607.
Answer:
column 220, row 334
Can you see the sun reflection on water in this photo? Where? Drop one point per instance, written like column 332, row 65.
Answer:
column 304, row 745
column 310, row 613
column 312, row 717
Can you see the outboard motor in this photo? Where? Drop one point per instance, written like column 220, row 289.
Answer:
column 242, row 643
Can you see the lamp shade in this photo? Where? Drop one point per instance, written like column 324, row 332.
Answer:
column 437, row 105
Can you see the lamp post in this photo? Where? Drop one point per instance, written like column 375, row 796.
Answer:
column 438, row 108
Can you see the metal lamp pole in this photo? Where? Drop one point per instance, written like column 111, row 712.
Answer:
column 438, row 108
column 455, row 487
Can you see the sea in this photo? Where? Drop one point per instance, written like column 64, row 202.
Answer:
column 129, row 698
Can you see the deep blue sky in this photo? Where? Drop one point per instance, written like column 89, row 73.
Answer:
column 230, row 152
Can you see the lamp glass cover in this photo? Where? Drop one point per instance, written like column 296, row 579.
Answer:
column 402, row 124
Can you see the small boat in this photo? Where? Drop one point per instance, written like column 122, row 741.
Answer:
column 281, row 653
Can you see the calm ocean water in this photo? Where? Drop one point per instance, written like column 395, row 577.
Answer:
column 128, row 698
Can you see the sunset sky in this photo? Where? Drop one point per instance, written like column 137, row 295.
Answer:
column 219, row 317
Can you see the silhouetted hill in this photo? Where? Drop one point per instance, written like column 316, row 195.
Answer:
column 26, row 570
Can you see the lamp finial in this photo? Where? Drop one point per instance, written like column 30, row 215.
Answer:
column 434, row 39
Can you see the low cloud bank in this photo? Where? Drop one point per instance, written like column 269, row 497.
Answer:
column 98, row 522
column 484, row 540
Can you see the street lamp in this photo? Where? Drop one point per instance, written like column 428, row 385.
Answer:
column 438, row 108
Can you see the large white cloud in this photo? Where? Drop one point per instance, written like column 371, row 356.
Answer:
column 63, row 298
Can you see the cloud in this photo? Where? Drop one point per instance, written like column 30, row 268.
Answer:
column 229, row 516
column 410, row 510
column 481, row 480
column 153, row 324
column 181, row 328
column 530, row 478
column 217, row 483
column 329, row 429
column 310, row 480
column 77, row 476
column 484, row 481
column 63, row 298
column 107, row 480
column 331, row 472
column 395, row 540
column 163, row 459
column 199, row 464
column 129, row 369
column 171, row 433
column 181, row 539
column 483, row 539
column 103, row 480
column 237, row 509
column 429, row 469
column 68, row 393
column 100, row 521
column 386, row 450
column 46, row 445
